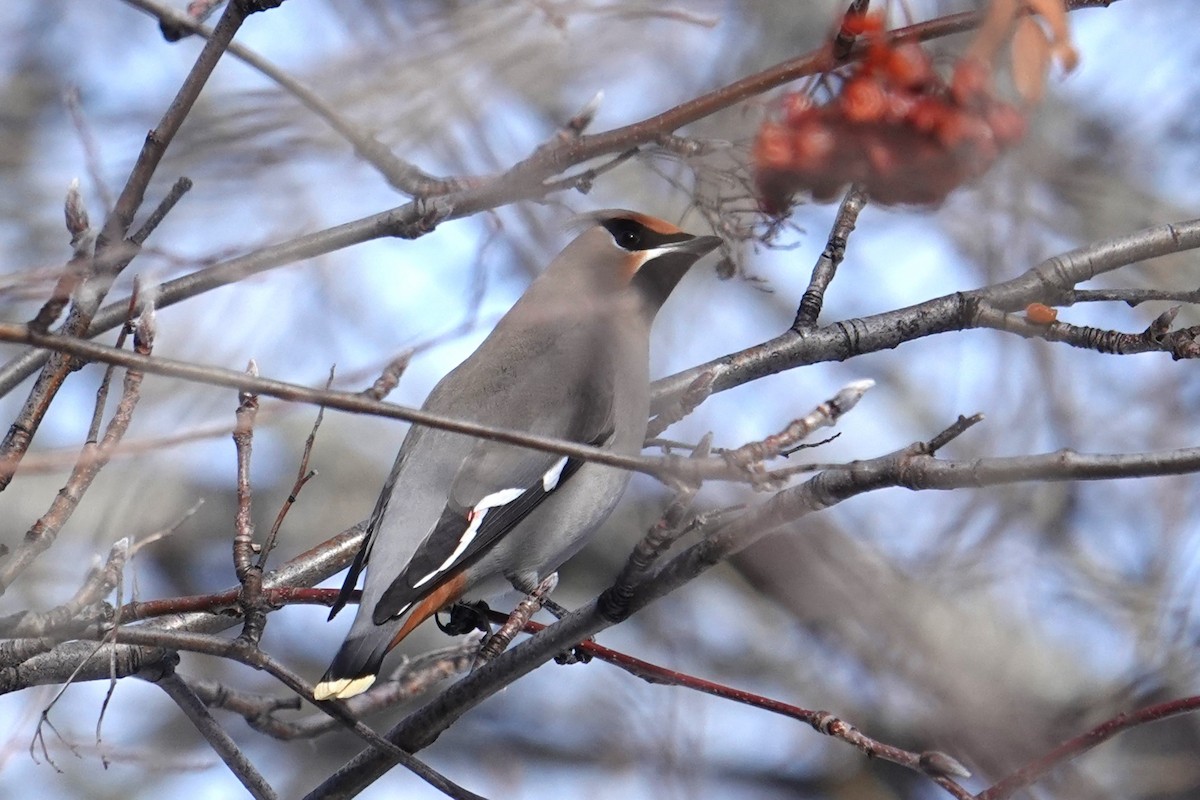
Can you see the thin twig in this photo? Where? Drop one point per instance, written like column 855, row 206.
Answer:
column 178, row 189
column 83, row 249
column 820, row 721
column 1180, row 344
column 825, row 415
column 413, row 677
column 400, row 174
column 303, row 476
column 113, row 252
column 1079, row 745
column 831, row 257
column 526, row 180
column 530, row 604
column 93, row 458
column 389, row 379
column 248, row 654
column 1131, row 297
column 614, row 602
column 216, row 736
column 248, row 573
column 91, row 152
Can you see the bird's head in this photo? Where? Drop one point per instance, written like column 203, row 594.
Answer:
column 625, row 249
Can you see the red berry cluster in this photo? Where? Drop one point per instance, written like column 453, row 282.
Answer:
column 897, row 129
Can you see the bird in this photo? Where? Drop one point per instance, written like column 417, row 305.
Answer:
column 461, row 517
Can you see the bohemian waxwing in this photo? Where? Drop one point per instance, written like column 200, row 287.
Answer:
column 461, row 516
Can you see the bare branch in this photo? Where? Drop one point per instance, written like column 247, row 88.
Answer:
column 413, row 677
column 842, row 340
column 113, row 253
column 93, row 458
column 216, row 736
column 912, row 467
column 494, row 644
column 831, row 257
column 83, row 246
column 1180, row 344
column 526, row 180
column 400, row 174
column 248, row 573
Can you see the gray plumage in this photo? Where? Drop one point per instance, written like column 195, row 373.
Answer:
column 464, row 516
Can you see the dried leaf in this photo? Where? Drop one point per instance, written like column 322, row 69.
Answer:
column 993, row 30
column 1030, row 59
column 1055, row 14
column 1066, row 55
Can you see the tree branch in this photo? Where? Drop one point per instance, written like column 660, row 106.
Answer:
column 216, row 736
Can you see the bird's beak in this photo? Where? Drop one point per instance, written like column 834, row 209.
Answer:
column 698, row 245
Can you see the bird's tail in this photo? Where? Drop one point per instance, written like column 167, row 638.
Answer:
column 355, row 666
column 357, row 663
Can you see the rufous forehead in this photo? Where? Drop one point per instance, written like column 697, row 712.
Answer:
column 653, row 223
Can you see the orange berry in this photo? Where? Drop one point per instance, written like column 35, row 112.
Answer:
column 863, row 100
column 1007, row 123
column 964, row 129
column 971, row 83
column 900, row 105
column 909, row 67
column 881, row 157
column 859, row 24
column 797, row 107
column 773, row 147
column 812, row 143
column 927, row 113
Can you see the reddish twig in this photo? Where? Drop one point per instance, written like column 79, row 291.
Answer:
column 930, row 762
column 1078, row 745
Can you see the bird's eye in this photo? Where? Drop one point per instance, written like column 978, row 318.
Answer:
column 628, row 234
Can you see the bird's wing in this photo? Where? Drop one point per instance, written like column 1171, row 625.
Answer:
column 364, row 550
column 498, row 487
column 486, row 488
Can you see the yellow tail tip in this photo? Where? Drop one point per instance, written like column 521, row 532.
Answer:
column 342, row 688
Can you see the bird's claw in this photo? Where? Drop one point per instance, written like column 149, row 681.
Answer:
column 466, row 617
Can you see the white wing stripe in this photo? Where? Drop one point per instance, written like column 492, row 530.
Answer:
column 553, row 475
column 500, row 498
column 493, row 500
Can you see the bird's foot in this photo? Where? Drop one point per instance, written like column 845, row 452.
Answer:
column 498, row 641
column 576, row 655
column 466, row 617
column 538, row 592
